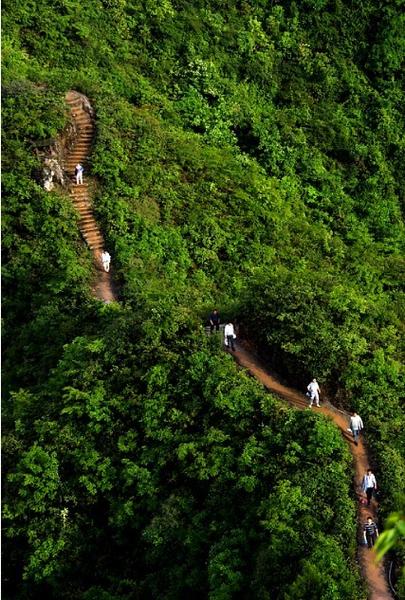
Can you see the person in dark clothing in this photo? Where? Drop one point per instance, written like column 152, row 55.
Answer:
column 214, row 320
column 370, row 531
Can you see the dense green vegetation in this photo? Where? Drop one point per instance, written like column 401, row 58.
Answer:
column 248, row 155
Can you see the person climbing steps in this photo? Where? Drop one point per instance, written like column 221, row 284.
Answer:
column 79, row 174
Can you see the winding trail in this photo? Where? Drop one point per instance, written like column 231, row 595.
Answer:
column 372, row 573
column 82, row 116
column 81, row 197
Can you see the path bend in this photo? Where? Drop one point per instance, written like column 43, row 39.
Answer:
column 80, row 195
column 373, row 573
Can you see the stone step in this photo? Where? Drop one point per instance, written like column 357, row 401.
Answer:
column 73, row 99
column 84, row 210
column 83, row 125
column 77, row 109
column 94, row 243
column 93, row 237
column 81, row 199
column 83, row 121
column 91, row 230
column 85, row 220
column 83, row 202
column 96, row 247
column 73, row 157
column 80, row 195
column 75, row 106
column 81, row 188
column 90, row 226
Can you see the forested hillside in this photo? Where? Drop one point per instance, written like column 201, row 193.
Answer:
column 249, row 156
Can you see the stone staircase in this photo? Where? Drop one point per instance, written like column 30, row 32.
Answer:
column 79, row 154
column 82, row 115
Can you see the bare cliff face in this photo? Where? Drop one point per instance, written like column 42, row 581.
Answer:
column 54, row 158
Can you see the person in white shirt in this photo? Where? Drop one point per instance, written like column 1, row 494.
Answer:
column 313, row 392
column 79, row 174
column 356, row 425
column 106, row 259
column 369, row 485
column 230, row 336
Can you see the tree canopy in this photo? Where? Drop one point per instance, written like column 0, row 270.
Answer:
column 248, row 156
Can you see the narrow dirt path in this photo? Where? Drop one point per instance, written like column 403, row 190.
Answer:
column 81, row 197
column 373, row 574
column 81, row 194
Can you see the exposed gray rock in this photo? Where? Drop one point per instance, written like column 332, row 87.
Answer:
column 52, row 171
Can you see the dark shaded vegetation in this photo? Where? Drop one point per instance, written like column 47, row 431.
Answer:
column 249, row 156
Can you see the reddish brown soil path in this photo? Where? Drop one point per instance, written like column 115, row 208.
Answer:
column 373, row 574
column 103, row 289
column 81, row 194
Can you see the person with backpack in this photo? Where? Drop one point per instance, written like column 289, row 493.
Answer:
column 79, row 174
column 370, row 532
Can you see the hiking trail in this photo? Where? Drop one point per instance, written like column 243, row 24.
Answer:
column 373, row 573
column 81, row 194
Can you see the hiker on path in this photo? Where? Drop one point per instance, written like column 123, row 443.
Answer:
column 313, row 392
column 369, row 485
column 356, row 425
column 106, row 259
column 214, row 320
column 230, row 336
column 79, row 174
column 370, row 532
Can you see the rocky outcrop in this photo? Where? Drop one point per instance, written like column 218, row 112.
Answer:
column 56, row 160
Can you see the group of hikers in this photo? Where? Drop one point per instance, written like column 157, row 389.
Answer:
column 369, row 483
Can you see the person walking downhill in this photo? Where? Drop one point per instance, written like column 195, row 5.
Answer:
column 356, row 425
column 370, row 531
column 313, row 392
column 106, row 259
column 79, row 174
column 369, row 485
column 230, row 336
column 214, row 320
